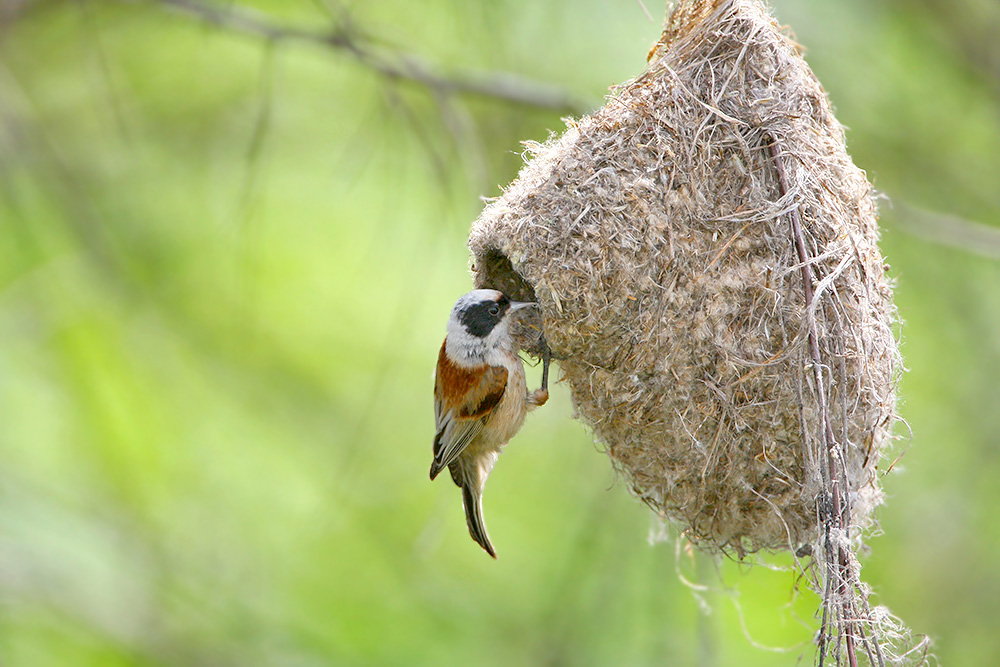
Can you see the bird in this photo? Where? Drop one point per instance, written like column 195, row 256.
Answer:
column 480, row 397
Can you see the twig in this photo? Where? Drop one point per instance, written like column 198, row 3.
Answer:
column 392, row 64
column 835, row 519
column 947, row 229
column 645, row 11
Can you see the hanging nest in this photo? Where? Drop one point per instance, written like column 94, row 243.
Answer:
column 704, row 253
column 657, row 237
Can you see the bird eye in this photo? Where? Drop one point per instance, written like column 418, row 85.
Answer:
column 494, row 310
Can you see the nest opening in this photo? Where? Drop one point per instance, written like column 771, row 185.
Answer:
column 494, row 270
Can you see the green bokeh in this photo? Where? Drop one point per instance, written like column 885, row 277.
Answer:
column 225, row 270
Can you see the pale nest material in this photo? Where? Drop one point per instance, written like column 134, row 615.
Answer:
column 704, row 252
column 658, row 240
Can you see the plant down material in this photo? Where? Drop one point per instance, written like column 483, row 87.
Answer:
column 704, row 252
column 656, row 237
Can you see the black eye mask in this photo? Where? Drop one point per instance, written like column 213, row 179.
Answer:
column 479, row 321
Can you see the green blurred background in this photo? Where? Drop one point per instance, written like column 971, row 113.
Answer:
column 226, row 263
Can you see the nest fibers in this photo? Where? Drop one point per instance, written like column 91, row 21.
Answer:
column 704, row 253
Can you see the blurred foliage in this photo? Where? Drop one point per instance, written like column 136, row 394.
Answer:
column 225, row 271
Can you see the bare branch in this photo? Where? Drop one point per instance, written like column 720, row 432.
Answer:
column 392, row 64
column 948, row 230
column 834, row 510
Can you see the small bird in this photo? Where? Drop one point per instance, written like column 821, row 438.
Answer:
column 480, row 397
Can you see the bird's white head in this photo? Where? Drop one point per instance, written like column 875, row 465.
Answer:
column 479, row 324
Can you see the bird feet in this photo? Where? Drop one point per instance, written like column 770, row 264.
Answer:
column 538, row 397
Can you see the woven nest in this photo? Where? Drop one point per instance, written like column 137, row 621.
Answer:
column 704, row 253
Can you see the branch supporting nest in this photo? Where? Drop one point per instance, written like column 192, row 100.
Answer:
column 391, row 64
column 834, row 507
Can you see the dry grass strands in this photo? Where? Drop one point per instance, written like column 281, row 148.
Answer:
column 658, row 240
column 705, row 255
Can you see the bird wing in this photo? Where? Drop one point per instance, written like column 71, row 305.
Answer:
column 463, row 401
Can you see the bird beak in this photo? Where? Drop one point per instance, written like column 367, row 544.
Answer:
column 518, row 305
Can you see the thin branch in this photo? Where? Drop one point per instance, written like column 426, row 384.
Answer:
column 645, row 11
column 392, row 64
column 947, row 229
column 835, row 510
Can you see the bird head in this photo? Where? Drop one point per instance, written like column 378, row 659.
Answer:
column 481, row 319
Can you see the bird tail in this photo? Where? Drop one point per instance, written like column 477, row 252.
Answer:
column 472, row 500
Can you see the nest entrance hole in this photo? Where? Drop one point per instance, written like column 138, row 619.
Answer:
column 494, row 270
